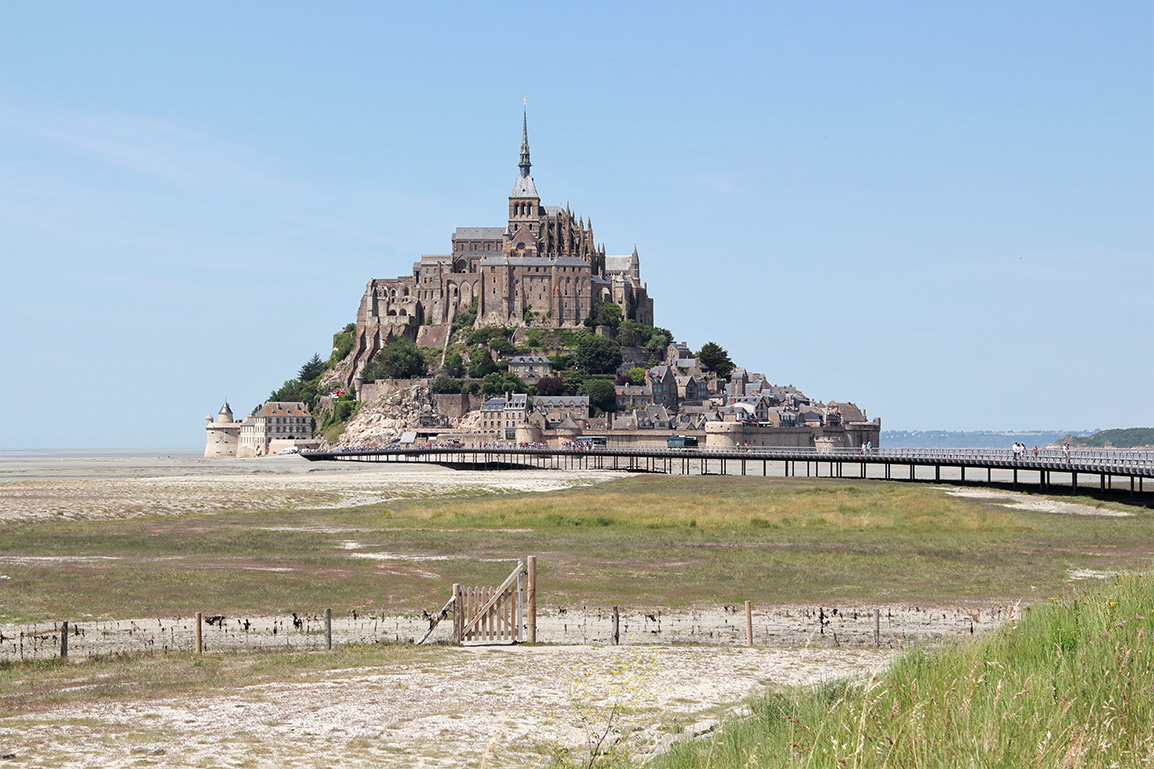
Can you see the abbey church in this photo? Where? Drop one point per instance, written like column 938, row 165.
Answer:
column 542, row 268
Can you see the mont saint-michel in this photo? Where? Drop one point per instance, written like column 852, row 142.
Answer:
column 528, row 332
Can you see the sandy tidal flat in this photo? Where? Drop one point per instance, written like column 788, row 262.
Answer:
column 491, row 706
column 44, row 489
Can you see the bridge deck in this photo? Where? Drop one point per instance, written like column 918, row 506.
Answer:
column 1048, row 468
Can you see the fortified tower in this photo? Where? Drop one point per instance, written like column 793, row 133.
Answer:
column 221, row 436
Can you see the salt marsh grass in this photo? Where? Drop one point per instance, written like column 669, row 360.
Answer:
column 650, row 541
column 1071, row 685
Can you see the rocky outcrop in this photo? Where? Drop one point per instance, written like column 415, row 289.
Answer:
column 384, row 417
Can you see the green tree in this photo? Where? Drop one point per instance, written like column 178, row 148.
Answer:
column 481, row 363
column 291, row 390
column 602, row 395
column 598, row 355
column 398, row 359
column 465, row 318
column 607, row 314
column 342, row 344
column 454, row 365
column 502, row 346
column 659, row 339
column 312, row 368
column 296, row 390
column 629, row 334
column 636, row 376
column 714, row 357
column 446, row 385
column 501, row 382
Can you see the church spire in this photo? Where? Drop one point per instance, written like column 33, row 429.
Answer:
column 525, row 164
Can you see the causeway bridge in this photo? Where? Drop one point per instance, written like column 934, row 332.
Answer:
column 1113, row 471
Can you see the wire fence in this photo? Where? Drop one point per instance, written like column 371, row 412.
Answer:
column 727, row 624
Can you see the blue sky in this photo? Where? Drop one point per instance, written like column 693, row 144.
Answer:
column 943, row 212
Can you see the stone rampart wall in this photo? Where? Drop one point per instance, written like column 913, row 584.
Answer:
column 729, row 435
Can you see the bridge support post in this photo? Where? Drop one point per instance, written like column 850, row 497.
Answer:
column 1074, row 481
column 963, row 473
column 937, row 473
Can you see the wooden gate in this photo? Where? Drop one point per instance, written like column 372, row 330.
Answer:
column 498, row 615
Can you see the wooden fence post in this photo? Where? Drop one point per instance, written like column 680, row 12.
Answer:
column 749, row 622
column 616, row 626
column 64, row 640
column 329, row 629
column 532, row 598
column 458, row 612
column 199, row 633
column 877, row 628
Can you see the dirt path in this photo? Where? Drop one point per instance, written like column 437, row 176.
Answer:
column 506, row 705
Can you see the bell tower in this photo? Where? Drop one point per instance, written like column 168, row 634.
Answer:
column 524, row 227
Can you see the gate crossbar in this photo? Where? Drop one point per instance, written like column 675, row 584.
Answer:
column 500, row 591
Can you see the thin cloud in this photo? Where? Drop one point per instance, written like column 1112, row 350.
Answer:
column 165, row 151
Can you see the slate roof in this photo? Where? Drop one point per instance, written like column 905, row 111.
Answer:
column 619, row 263
column 849, row 412
column 528, row 359
column 478, row 233
column 560, row 401
column 284, row 409
column 533, row 261
column 524, row 188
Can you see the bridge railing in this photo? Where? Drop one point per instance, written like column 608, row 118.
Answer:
column 1117, row 461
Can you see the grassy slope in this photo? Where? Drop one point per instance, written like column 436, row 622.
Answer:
column 643, row 541
column 1070, row 686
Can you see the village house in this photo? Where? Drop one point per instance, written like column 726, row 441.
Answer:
column 690, row 390
column 652, row 417
column 677, row 350
column 500, row 417
column 631, row 397
column 662, row 384
column 556, row 408
column 530, row 368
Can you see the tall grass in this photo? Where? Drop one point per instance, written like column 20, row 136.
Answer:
column 1071, row 685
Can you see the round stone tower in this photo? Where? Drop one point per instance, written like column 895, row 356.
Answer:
column 221, row 436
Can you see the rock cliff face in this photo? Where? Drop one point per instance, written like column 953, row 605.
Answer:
column 385, row 416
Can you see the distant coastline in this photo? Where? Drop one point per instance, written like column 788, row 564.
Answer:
column 971, row 439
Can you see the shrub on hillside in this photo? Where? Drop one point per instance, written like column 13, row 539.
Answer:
column 446, row 385
column 398, row 359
